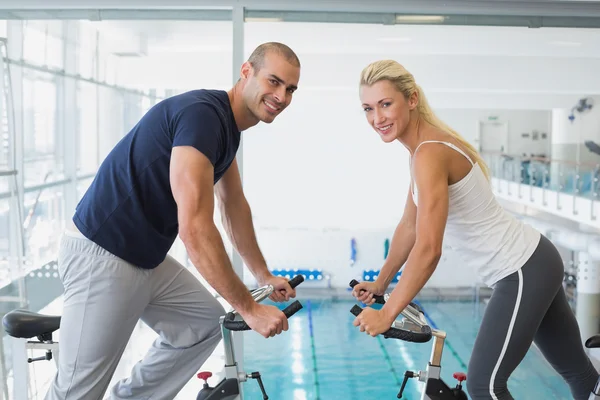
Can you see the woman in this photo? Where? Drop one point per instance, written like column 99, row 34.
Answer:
column 450, row 200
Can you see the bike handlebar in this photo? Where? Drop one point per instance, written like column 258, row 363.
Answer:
column 229, row 323
column 381, row 299
column 423, row 336
column 378, row 299
column 395, row 333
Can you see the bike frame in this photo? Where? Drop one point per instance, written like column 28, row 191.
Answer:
column 231, row 366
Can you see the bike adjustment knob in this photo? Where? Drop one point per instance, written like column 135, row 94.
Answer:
column 460, row 376
column 204, row 375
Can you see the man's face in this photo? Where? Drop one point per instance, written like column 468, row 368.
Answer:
column 269, row 90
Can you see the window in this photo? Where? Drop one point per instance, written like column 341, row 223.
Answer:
column 43, row 43
column 86, row 55
column 54, row 52
column 3, row 28
column 34, row 45
column 41, row 156
column 87, row 100
column 45, row 216
column 5, row 244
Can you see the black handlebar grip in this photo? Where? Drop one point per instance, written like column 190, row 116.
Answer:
column 292, row 309
column 236, row 325
column 232, row 325
column 295, row 281
column 402, row 334
column 378, row 299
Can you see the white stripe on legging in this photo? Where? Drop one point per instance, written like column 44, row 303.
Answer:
column 508, row 334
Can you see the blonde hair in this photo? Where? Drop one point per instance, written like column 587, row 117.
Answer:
column 404, row 81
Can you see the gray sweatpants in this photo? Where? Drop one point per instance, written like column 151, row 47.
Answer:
column 104, row 298
column 529, row 306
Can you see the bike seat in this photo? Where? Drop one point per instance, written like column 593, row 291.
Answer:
column 593, row 342
column 27, row 324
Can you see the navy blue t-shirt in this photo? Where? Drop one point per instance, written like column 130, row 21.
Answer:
column 129, row 208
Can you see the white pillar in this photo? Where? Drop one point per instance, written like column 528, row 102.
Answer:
column 564, row 145
column 69, row 126
column 588, row 295
column 570, row 129
column 15, row 52
column 237, row 61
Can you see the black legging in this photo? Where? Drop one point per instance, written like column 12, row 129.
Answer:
column 526, row 306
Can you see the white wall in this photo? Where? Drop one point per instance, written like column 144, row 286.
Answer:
column 519, row 122
column 569, row 136
column 313, row 167
column 318, row 176
column 315, row 180
column 464, row 81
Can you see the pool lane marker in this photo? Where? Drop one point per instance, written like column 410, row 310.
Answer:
column 446, row 341
column 312, row 345
column 387, row 357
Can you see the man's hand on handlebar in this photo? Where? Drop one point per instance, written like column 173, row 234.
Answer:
column 282, row 291
column 266, row 320
column 364, row 292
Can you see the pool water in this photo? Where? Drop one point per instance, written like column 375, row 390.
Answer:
column 323, row 356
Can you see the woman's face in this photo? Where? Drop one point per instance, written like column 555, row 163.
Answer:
column 386, row 109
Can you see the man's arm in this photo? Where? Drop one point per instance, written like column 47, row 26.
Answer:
column 237, row 221
column 431, row 178
column 191, row 177
column 401, row 245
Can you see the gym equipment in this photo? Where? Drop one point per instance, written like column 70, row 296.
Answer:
column 414, row 328
column 592, row 146
column 24, row 324
column 592, row 343
column 229, row 388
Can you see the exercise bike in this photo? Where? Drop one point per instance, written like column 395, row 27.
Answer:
column 593, row 343
column 229, row 387
column 414, row 328
column 24, row 324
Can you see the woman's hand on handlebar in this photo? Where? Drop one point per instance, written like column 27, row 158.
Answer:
column 266, row 320
column 282, row 291
column 373, row 322
column 364, row 292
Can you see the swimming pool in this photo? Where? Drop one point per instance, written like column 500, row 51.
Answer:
column 323, row 356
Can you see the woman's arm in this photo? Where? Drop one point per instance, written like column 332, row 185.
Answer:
column 431, row 178
column 401, row 245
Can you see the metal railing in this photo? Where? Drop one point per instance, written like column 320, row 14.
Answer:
column 553, row 176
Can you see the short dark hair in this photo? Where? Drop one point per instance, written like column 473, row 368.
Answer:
column 257, row 57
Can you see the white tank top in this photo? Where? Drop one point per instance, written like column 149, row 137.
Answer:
column 487, row 237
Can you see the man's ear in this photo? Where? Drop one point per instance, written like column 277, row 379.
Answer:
column 246, row 70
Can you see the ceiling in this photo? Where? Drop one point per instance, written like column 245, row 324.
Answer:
column 538, row 8
column 165, row 37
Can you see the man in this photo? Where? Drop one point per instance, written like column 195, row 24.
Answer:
column 159, row 181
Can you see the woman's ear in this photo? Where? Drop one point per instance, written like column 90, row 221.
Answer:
column 413, row 100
